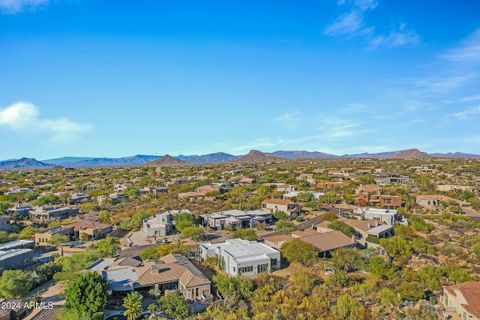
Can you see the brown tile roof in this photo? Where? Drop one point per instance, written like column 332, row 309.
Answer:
column 174, row 268
column 277, row 201
column 471, row 292
column 83, row 225
column 278, row 239
column 305, row 233
column 363, row 225
column 329, row 241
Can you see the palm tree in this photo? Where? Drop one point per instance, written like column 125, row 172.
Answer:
column 133, row 305
column 153, row 309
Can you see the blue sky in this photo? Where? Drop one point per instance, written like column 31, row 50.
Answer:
column 93, row 78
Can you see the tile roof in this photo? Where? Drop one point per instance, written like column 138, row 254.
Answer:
column 471, row 293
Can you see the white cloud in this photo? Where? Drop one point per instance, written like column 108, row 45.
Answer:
column 352, row 23
column 16, row 6
column 25, row 117
column 467, row 113
column 467, row 51
column 347, row 24
column 289, row 120
column 398, row 37
column 470, row 98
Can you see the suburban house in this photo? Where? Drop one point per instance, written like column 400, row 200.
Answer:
column 48, row 213
column 239, row 257
column 91, row 230
column 153, row 190
column 22, row 210
column 17, row 244
column 236, row 219
column 433, row 200
column 16, row 254
column 462, row 301
column 161, row 224
column 171, row 272
column 390, row 178
column 44, row 239
column 379, row 200
column 114, row 198
column 79, row 197
column 15, row 258
column 366, row 228
column 17, row 190
column 388, row 216
column 324, row 240
column 283, row 205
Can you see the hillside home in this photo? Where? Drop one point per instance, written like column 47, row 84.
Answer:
column 236, row 219
column 275, row 205
column 388, row 216
column 462, row 301
column 90, row 230
column 239, row 257
column 48, row 213
column 44, row 239
column 171, row 272
column 15, row 258
column 433, row 200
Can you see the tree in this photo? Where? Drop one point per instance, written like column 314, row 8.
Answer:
column 15, row 284
column 285, row 225
column 107, row 247
column 347, row 308
column 27, row 232
column 87, row 293
column 380, row 267
column 58, row 239
column 194, row 232
column 133, row 305
column 184, row 220
column 4, row 237
column 174, row 305
column 297, row 250
column 397, row 247
column 347, row 260
column 104, row 217
column 246, row 234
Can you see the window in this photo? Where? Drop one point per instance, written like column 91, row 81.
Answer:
column 273, row 262
column 262, row 268
column 245, row 269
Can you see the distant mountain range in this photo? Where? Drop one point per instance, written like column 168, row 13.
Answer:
column 218, row 157
column 23, row 163
column 214, row 158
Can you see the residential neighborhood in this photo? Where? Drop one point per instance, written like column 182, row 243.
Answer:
column 286, row 222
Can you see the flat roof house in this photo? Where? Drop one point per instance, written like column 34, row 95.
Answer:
column 15, row 258
column 17, row 244
column 239, row 257
column 48, row 213
column 236, row 219
column 462, row 301
column 162, row 224
column 432, row 200
column 388, row 216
